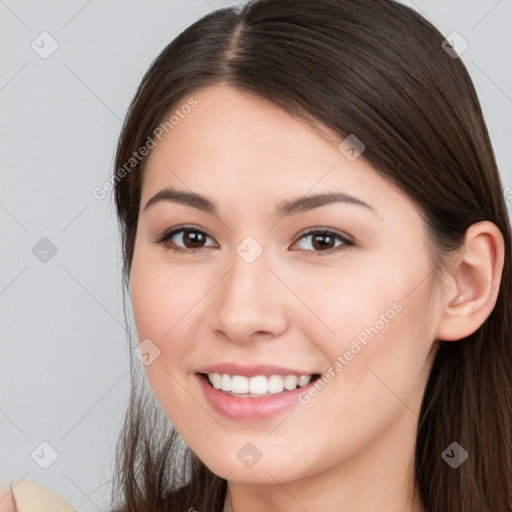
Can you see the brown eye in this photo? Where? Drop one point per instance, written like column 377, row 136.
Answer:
column 193, row 239
column 183, row 239
column 323, row 242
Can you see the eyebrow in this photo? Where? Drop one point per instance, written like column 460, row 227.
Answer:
column 284, row 208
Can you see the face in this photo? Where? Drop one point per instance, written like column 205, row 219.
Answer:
column 256, row 278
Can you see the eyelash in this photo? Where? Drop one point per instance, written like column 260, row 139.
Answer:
column 346, row 242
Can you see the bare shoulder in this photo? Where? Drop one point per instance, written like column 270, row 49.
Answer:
column 27, row 496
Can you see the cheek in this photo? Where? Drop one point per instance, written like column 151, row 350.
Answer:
column 379, row 357
column 160, row 307
column 167, row 307
column 377, row 373
column 377, row 329
column 162, row 299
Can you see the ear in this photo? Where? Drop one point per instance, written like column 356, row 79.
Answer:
column 471, row 288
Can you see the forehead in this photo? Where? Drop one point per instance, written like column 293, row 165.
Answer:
column 239, row 126
column 239, row 145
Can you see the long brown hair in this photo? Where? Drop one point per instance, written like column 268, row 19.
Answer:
column 377, row 69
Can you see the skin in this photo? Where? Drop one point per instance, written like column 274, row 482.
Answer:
column 7, row 503
column 351, row 448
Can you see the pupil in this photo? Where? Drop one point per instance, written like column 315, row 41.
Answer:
column 193, row 237
column 325, row 241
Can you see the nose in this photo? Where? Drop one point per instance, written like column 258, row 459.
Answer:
column 250, row 302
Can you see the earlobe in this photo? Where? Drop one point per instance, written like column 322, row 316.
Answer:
column 475, row 281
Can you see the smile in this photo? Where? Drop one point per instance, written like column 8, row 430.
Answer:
column 261, row 385
column 267, row 396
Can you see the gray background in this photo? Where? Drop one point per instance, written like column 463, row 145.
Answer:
column 64, row 356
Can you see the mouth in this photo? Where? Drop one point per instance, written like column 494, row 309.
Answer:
column 258, row 386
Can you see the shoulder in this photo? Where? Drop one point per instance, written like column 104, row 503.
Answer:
column 28, row 496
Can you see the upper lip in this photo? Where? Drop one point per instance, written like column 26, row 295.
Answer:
column 251, row 371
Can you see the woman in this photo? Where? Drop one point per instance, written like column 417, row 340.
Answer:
column 317, row 252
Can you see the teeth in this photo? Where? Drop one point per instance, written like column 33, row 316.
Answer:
column 290, row 382
column 260, row 385
column 225, row 383
column 239, row 384
column 303, row 380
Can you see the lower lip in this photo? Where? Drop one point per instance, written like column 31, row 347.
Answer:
column 251, row 409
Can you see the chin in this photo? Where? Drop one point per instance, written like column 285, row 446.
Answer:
column 262, row 472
